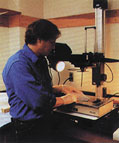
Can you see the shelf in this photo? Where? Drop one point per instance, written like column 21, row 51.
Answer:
column 9, row 18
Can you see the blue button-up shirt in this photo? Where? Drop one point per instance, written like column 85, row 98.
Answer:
column 28, row 85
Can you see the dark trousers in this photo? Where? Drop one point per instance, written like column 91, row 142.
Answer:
column 43, row 130
column 46, row 130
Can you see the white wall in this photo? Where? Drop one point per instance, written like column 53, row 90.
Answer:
column 4, row 51
column 12, row 39
column 32, row 8
column 9, row 4
column 59, row 8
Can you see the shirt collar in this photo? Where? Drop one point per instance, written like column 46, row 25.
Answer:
column 30, row 54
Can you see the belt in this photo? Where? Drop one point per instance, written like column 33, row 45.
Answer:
column 43, row 120
column 26, row 121
column 17, row 123
column 26, row 126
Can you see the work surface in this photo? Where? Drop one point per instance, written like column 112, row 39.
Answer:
column 79, row 131
column 91, row 131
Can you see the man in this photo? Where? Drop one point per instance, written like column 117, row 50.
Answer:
column 27, row 80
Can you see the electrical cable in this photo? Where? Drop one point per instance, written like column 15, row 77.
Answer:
column 116, row 94
column 81, row 79
column 52, row 76
column 66, row 80
column 58, row 78
column 49, row 68
column 111, row 73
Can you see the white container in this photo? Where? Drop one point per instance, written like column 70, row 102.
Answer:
column 116, row 135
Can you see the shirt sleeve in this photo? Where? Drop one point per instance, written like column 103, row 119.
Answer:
column 30, row 91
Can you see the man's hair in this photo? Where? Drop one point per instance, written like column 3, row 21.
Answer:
column 41, row 29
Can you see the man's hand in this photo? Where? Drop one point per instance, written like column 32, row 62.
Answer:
column 65, row 89
column 72, row 94
column 74, row 97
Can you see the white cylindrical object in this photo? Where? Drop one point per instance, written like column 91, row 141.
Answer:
column 116, row 135
column 100, row 30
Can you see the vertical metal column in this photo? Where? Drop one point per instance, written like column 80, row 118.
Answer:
column 100, row 6
column 100, row 30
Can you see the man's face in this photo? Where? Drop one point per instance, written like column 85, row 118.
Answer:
column 47, row 46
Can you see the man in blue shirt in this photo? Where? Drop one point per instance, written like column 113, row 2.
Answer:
column 27, row 80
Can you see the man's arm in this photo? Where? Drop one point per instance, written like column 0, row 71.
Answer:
column 28, row 90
